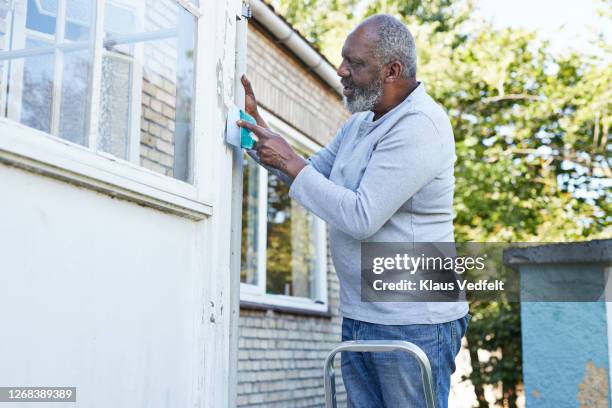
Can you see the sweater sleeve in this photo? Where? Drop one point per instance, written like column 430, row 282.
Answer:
column 323, row 160
column 404, row 160
column 282, row 176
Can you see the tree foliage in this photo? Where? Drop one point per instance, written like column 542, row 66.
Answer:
column 531, row 129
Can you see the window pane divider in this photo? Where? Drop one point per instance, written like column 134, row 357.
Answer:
column 262, row 229
column 58, row 68
column 321, row 248
column 5, row 65
column 112, row 40
column 96, row 75
column 32, row 52
column 80, row 45
column 15, row 67
column 136, row 78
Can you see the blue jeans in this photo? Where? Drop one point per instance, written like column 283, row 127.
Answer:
column 393, row 379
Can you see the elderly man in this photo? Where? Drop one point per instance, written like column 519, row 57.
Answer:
column 386, row 176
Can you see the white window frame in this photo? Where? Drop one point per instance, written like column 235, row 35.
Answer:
column 256, row 294
column 50, row 155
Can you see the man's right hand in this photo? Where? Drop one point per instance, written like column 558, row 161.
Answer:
column 250, row 103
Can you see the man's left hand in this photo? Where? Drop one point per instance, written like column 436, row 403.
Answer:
column 273, row 150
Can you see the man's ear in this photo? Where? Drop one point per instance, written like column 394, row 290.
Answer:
column 393, row 71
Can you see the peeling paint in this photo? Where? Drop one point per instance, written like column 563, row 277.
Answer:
column 226, row 63
column 219, row 70
column 560, row 364
column 593, row 390
column 230, row 71
column 212, row 314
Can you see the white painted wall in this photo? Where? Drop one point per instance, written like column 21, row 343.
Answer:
column 100, row 294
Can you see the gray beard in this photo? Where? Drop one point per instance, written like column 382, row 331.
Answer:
column 364, row 99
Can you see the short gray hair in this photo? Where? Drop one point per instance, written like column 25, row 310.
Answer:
column 395, row 43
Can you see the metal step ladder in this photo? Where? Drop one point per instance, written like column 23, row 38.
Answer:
column 378, row 346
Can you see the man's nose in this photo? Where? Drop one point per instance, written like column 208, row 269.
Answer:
column 342, row 70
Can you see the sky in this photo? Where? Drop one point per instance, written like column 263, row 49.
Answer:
column 564, row 22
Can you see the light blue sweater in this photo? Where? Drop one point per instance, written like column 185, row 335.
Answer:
column 389, row 180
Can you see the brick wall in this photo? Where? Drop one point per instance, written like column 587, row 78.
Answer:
column 281, row 355
column 292, row 92
column 159, row 93
column 157, row 124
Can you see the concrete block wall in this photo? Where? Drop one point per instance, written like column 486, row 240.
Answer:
column 565, row 332
column 281, row 354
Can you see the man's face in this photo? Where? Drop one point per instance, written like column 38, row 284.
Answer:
column 360, row 72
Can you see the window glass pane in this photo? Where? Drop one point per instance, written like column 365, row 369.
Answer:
column 37, row 87
column 250, row 197
column 76, row 72
column 291, row 246
column 4, row 10
column 75, row 96
column 116, row 83
column 158, row 46
column 49, row 75
column 115, row 106
column 41, row 16
column 78, row 17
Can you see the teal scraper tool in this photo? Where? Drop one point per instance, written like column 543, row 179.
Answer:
column 234, row 134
